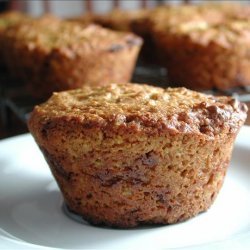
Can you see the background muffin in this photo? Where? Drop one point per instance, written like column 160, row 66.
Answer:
column 120, row 20
column 58, row 55
column 128, row 154
column 7, row 20
column 201, row 55
column 10, row 18
column 204, row 46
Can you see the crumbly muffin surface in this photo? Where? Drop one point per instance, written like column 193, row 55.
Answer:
column 11, row 18
column 145, row 106
column 223, row 24
column 228, row 34
column 43, row 33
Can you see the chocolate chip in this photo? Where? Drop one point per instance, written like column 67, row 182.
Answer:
column 149, row 159
column 89, row 196
column 45, row 128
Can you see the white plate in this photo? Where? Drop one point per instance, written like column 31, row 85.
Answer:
column 31, row 215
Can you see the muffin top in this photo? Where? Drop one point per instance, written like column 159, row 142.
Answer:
column 137, row 107
column 229, row 34
column 49, row 32
column 213, row 13
column 10, row 18
column 227, row 25
column 116, row 19
column 120, row 19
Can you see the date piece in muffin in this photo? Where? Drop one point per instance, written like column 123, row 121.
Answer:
column 130, row 154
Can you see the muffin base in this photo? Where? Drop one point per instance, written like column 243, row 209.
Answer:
column 150, row 189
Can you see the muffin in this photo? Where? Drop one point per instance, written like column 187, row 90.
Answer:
column 167, row 15
column 8, row 19
column 130, row 154
column 58, row 55
column 204, row 46
column 200, row 55
column 123, row 20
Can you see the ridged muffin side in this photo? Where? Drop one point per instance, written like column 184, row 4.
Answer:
column 128, row 154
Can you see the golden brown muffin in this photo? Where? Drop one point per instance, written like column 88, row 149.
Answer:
column 201, row 55
column 58, row 55
column 199, row 44
column 169, row 15
column 122, row 20
column 129, row 154
column 8, row 19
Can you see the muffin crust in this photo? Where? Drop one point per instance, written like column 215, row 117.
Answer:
column 128, row 154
